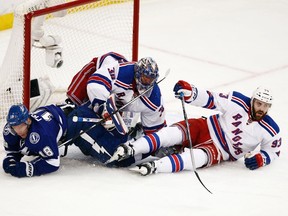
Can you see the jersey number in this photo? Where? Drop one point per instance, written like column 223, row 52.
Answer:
column 47, row 152
column 276, row 143
column 46, row 116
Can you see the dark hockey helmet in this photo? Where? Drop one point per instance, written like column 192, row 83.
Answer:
column 146, row 73
column 17, row 115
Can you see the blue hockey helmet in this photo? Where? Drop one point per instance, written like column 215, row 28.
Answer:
column 146, row 73
column 17, row 115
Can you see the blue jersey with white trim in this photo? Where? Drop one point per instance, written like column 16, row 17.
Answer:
column 233, row 131
column 48, row 126
column 118, row 78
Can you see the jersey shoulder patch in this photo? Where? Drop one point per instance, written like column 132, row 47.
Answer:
column 242, row 100
column 125, row 76
column 153, row 102
column 270, row 125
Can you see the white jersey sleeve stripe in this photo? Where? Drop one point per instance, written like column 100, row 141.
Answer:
column 148, row 103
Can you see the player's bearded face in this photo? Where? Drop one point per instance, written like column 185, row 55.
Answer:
column 259, row 109
column 21, row 130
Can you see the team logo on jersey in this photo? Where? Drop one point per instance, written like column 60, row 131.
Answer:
column 22, row 142
column 34, row 138
column 6, row 130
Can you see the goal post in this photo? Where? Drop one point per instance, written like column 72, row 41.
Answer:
column 52, row 40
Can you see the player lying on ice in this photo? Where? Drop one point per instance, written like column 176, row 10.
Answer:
column 242, row 126
column 38, row 133
column 92, row 89
column 35, row 134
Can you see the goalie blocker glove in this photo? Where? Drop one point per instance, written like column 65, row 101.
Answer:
column 257, row 160
column 111, row 115
column 115, row 116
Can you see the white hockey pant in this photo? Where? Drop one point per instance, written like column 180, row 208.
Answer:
column 168, row 136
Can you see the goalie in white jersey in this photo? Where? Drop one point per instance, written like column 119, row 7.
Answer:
column 242, row 126
column 112, row 75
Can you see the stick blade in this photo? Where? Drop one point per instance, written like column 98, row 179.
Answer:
column 167, row 72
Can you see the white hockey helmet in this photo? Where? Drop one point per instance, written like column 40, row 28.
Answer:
column 263, row 94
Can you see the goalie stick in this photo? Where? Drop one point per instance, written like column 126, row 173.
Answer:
column 190, row 142
column 116, row 111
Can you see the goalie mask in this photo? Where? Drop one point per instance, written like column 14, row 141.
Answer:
column 17, row 115
column 146, row 73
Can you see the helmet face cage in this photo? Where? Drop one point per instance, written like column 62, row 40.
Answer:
column 17, row 115
column 263, row 94
column 146, row 67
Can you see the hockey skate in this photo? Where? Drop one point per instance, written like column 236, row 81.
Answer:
column 123, row 152
column 145, row 168
column 166, row 151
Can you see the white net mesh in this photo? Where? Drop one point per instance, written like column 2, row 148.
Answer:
column 85, row 31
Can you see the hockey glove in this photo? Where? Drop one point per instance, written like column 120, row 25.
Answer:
column 21, row 169
column 98, row 106
column 257, row 160
column 7, row 163
column 184, row 89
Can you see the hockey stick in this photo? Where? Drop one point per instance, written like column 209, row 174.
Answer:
column 116, row 111
column 190, row 142
column 95, row 120
column 84, row 119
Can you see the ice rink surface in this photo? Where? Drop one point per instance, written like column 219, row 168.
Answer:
column 218, row 45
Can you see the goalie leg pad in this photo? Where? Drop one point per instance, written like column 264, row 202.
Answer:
column 116, row 118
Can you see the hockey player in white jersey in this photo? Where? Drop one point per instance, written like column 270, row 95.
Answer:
column 111, row 74
column 242, row 126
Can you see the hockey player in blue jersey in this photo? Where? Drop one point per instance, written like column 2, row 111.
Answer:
column 91, row 88
column 35, row 134
column 38, row 134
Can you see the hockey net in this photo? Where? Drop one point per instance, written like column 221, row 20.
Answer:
column 48, row 31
